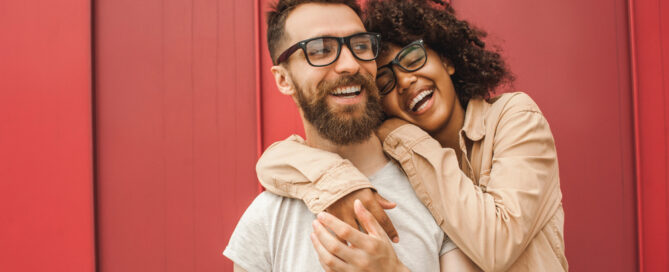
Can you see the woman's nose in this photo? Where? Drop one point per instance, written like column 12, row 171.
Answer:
column 404, row 80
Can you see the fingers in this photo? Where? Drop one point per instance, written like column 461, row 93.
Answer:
column 385, row 204
column 342, row 230
column 367, row 220
column 328, row 261
column 349, row 220
column 380, row 215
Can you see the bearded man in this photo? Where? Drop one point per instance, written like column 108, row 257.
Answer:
column 324, row 60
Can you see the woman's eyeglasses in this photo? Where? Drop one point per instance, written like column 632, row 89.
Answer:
column 410, row 58
column 323, row 51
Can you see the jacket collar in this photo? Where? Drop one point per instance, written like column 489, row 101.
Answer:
column 474, row 125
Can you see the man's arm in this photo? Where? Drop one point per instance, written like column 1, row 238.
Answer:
column 323, row 180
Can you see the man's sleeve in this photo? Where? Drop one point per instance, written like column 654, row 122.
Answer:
column 249, row 245
column 292, row 169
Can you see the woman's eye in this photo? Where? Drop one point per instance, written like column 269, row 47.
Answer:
column 360, row 47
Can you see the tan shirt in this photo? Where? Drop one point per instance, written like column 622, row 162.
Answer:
column 501, row 205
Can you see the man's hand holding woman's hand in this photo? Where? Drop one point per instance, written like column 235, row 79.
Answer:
column 371, row 251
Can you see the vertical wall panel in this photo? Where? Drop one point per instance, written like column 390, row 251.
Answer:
column 280, row 117
column 46, row 181
column 650, row 37
column 176, row 130
column 572, row 57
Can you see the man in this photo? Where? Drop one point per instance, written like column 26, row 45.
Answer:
column 324, row 59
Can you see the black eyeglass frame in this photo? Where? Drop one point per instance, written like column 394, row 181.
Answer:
column 396, row 62
column 340, row 40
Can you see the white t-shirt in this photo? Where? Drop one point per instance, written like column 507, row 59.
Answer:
column 273, row 234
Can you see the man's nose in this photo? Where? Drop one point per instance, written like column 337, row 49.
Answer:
column 404, row 80
column 347, row 63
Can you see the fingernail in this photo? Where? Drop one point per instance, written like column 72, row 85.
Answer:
column 396, row 239
column 321, row 215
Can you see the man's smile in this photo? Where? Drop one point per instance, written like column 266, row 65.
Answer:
column 347, row 95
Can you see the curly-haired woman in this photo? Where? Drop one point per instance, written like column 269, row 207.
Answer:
column 486, row 168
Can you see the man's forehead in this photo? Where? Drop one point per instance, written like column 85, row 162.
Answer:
column 321, row 19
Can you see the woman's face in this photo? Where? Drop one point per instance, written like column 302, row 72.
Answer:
column 425, row 97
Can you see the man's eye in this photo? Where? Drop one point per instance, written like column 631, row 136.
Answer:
column 320, row 51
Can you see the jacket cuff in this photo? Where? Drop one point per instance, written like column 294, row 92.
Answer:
column 336, row 183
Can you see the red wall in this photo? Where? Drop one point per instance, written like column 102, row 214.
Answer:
column 46, row 181
column 176, row 131
column 177, row 126
column 572, row 57
column 649, row 26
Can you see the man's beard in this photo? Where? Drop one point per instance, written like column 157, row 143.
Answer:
column 342, row 127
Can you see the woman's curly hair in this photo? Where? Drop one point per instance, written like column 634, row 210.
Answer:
column 478, row 71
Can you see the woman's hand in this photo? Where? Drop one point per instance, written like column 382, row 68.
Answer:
column 371, row 251
column 388, row 126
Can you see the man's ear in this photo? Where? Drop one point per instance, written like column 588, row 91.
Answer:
column 283, row 80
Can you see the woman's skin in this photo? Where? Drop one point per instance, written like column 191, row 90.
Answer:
column 442, row 116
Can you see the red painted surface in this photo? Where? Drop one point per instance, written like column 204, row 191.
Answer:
column 280, row 117
column 649, row 27
column 176, row 130
column 46, row 200
column 573, row 59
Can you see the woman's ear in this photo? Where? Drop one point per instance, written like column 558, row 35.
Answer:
column 450, row 69
column 283, row 80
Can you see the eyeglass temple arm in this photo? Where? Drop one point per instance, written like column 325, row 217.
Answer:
column 287, row 54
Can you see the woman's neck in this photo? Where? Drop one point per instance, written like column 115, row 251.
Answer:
column 448, row 135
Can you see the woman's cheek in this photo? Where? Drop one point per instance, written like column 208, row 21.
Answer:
column 390, row 106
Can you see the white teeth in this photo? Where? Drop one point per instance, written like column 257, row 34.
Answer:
column 418, row 98
column 346, row 90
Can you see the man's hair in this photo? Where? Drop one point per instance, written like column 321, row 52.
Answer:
column 279, row 11
column 478, row 71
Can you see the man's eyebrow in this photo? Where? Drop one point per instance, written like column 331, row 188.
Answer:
column 330, row 34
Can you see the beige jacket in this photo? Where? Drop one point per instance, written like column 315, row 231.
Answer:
column 501, row 205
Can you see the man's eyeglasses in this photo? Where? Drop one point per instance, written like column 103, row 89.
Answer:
column 410, row 58
column 323, row 51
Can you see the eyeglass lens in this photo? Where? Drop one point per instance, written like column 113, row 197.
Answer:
column 324, row 51
column 409, row 59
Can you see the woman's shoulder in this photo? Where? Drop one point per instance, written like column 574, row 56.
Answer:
column 513, row 102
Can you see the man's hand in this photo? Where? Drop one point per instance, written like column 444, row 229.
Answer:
column 375, row 203
column 371, row 251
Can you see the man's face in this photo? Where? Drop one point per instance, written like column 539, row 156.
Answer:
column 340, row 100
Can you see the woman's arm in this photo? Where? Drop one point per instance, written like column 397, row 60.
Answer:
column 323, row 180
column 493, row 224
column 292, row 169
column 456, row 261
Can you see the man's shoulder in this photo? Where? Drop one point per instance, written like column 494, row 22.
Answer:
column 268, row 200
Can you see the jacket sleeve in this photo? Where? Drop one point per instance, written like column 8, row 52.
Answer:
column 292, row 169
column 492, row 224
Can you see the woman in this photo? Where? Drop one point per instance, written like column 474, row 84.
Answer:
column 485, row 168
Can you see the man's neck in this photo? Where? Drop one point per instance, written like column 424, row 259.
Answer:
column 367, row 155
